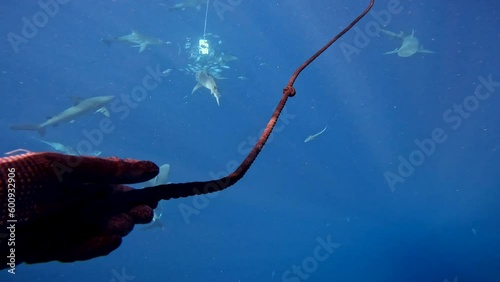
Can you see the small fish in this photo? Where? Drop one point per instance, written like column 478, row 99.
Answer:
column 224, row 58
column 311, row 137
column 242, row 77
column 197, row 4
column 213, row 35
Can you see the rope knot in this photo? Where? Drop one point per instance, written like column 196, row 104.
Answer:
column 289, row 90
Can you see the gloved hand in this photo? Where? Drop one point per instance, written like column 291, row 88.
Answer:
column 64, row 208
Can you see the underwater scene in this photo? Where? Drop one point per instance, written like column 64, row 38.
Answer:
column 222, row 140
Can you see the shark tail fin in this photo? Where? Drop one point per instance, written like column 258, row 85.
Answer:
column 34, row 127
column 162, row 177
column 108, row 41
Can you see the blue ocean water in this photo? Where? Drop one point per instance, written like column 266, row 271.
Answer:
column 402, row 186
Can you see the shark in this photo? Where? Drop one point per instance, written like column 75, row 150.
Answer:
column 203, row 79
column 140, row 40
column 187, row 4
column 160, row 179
column 410, row 44
column 312, row 137
column 81, row 107
column 59, row 147
column 68, row 150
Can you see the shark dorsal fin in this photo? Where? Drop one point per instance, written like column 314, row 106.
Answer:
column 75, row 100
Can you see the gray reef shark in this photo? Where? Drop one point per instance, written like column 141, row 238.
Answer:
column 68, row 150
column 95, row 104
column 410, row 44
column 59, row 147
column 187, row 4
column 160, row 179
column 203, row 79
column 140, row 40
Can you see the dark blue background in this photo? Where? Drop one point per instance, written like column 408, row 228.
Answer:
column 441, row 223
